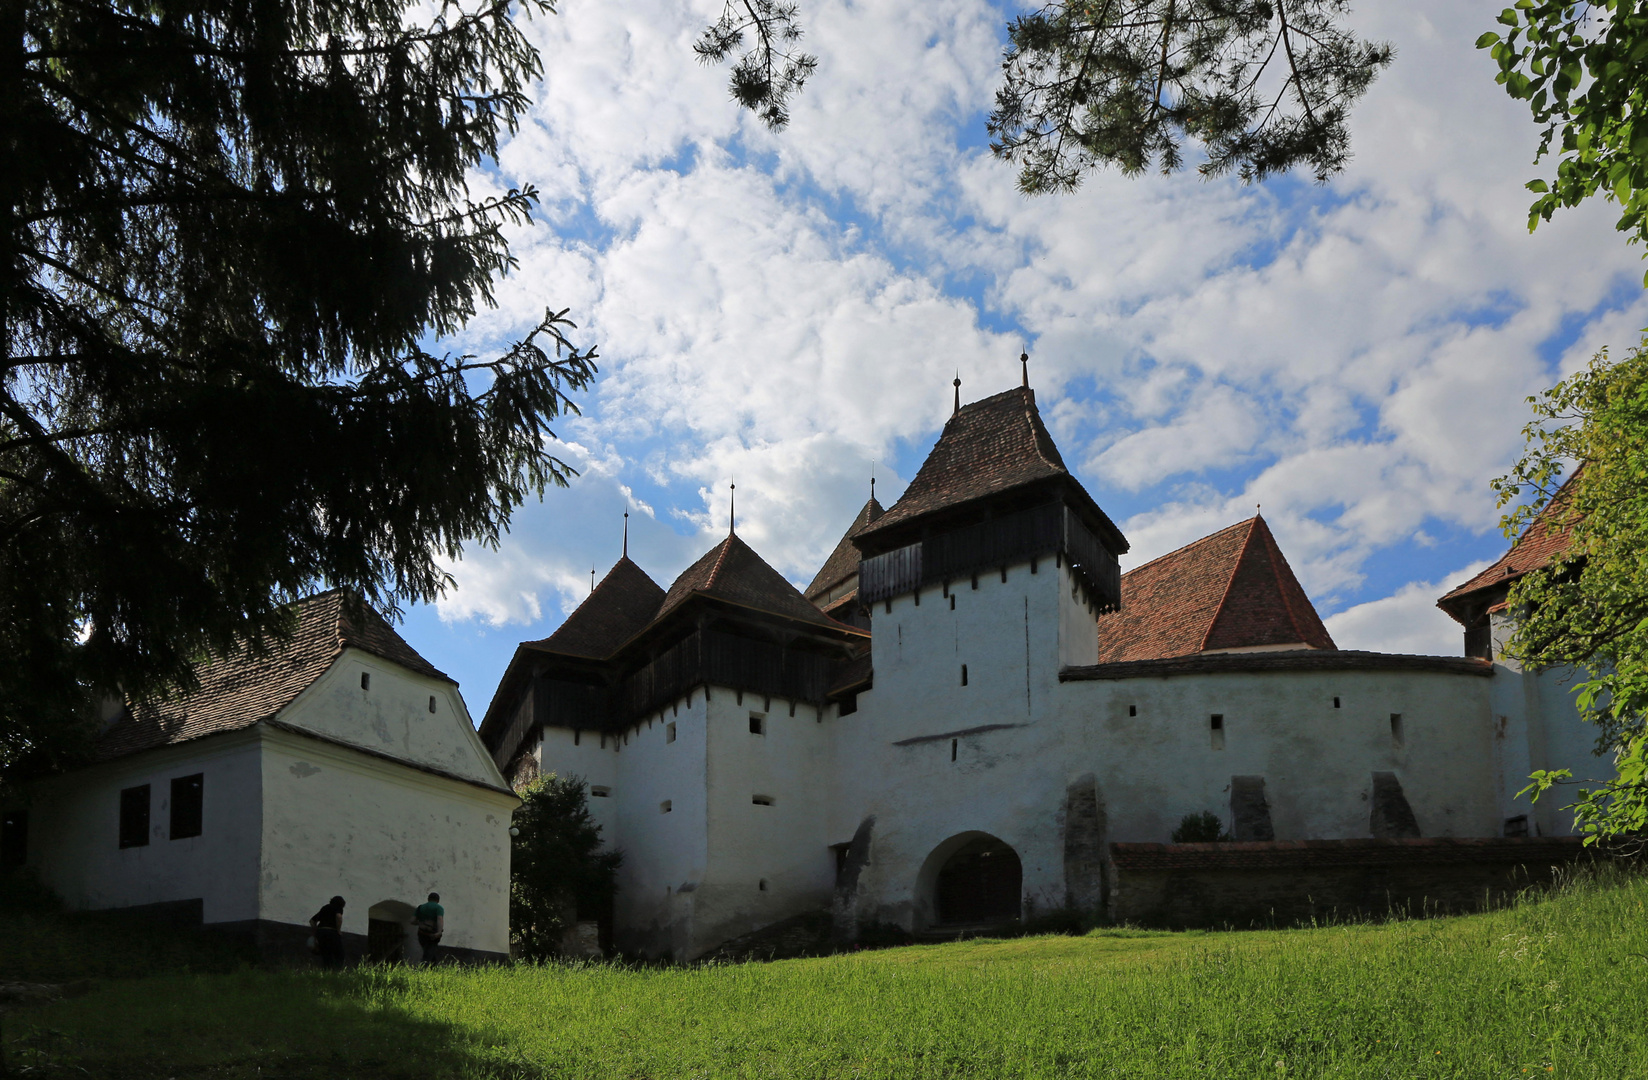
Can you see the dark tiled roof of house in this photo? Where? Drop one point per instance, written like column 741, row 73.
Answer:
column 1231, row 590
column 733, row 572
column 1310, row 854
column 1545, row 539
column 843, row 561
column 987, row 448
column 240, row 689
column 1252, row 663
column 621, row 606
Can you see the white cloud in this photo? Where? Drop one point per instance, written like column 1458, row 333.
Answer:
column 1407, row 621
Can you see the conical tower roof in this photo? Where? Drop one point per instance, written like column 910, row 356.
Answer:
column 731, row 571
column 621, row 606
column 1231, row 590
column 844, row 560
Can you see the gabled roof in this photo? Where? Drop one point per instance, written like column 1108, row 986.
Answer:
column 1544, row 540
column 621, row 606
column 241, row 689
column 1231, row 590
column 733, row 572
column 988, row 448
column 844, row 560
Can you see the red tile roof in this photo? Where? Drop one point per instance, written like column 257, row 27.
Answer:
column 1253, row 663
column 1231, row 590
column 621, row 606
column 238, row 690
column 1544, row 540
column 843, row 561
column 733, row 572
column 988, row 448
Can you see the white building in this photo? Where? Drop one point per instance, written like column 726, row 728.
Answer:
column 976, row 704
column 341, row 762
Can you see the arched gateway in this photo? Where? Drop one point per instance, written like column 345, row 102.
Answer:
column 972, row 879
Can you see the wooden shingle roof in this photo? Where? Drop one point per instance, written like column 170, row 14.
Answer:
column 733, row 572
column 242, row 688
column 1544, row 540
column 1231, row 590
column 844, row 560
column 990, row 448
column 621, row 606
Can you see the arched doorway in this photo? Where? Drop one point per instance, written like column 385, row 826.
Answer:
column 391, row 937
column 972, row 879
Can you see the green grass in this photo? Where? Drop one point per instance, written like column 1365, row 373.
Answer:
column 1553, row 987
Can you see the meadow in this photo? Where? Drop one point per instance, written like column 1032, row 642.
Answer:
column 1551, row 986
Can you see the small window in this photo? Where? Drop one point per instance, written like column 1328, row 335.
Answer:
column 1335, row 703
column 134, row 816
column 964, row 674
column 1132, row 710
column 952, row 601
column 1217, row 731
column 761, row 800
column 1516, row 826
column 762, row 885
column 1218, row 723
column 431, row 702
column 366, row 680
column 665, row 807
column 849, row 705
column 577, row 736
column 188, row 803
column 1396, row 729
column 953, row 744
column 669, row 732
column 758, row 724
column 600, row 792
column 14, row 838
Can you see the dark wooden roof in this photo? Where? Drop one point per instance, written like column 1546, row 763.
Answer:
column 843, row 561
column 988, row 449
column 733, row 572
column 1231, row 590
column 240, row 689
column 1544, row 540
column 620, row 607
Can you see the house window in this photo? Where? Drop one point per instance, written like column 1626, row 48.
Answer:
column 1396, row 729
column 761, row 800
column 665, row 807
column 600, row 792
column 669, row 733
column 758, row 724
column 187, row 805
column 134, row 816
column 431, row 702
column 14, row 838
column 366, row 680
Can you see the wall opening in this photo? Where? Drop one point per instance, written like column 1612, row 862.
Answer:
column 1335, row 703
column 761, row 800
column 188, row 805
column 953, row 744
column 1132, row 710
column 762, row 885
column 134, row 816
column 849, row 705
column 758, row 724
column 952, row 601
column 431, row 702
column 577, row 736
column 366, row 680
column 391, row 937
column 1216, row 726
column 600, row 792
column 1396, row 729
column 982, row 881
column 964, row 674
column 669, row 732
column 665, row 807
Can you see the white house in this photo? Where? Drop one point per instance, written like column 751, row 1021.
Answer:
column 972, row 714
column 341, row 762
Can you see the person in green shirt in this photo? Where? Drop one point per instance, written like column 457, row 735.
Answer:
column 431, row 920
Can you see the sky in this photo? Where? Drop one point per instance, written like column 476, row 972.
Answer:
column 787, row 311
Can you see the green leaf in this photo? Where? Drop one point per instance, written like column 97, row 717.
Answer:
column 1487, row 39
column 1537, row 185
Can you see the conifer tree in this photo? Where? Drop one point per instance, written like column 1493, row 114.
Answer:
column 229, row 233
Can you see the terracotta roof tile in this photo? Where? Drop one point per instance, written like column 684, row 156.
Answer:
column 621, row 606
column 989, row 447
column 843, row 561
column 1252, row 663
column 1231, row 590
column 241, row 689
column 732, row 571
column 1544, row 540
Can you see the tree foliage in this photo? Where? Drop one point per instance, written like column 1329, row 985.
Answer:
column 1583, row 69
column 1264, row 85
column 1202, row 828
column 770, row 68
column 1589, row 610
column 227, row 229
column 558, row 870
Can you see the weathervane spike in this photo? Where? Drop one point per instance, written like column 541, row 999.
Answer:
column 1024, row 362
column 732, row 511
column 958, row 392
column 626, row 534
column 592, row 579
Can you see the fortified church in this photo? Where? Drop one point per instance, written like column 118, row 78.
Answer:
column 972, row 716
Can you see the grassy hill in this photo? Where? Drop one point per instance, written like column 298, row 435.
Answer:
column 1550, row 987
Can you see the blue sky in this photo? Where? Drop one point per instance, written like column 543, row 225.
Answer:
column 788, row 310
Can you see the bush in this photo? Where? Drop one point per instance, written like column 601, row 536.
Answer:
column 558, row 872
column 1202, row 828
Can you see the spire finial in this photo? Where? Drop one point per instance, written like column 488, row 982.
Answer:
column 958, row 392
column 626, row 534
column 1024, row 363
column 592, row 579
column 872, row 487
column 732, row 512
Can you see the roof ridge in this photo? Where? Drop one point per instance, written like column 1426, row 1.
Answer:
column 1230, row 583
column 726, row 546
column 1033, row 415
column 1277, row 561
column 1187, row 547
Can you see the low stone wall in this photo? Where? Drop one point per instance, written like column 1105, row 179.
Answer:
column 1280, row 883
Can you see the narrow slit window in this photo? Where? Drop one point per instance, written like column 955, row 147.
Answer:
column 600, row 792
column 761, row 800
column 1335, row 703
column 761, row 885
column 1217, row 731
column 665, row 807
column 1132, row 710
column 758, row 724
column 366, row 680
column 669, row 733
column 952, row 601
column 1396, row 729
column 134, row 816
column 431, row 702
column 188, row 805
column 953, row 744
column 577, row 736
column 964, row 674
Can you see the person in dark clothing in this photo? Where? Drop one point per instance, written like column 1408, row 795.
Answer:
column 431, row 920
column 327, row 923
